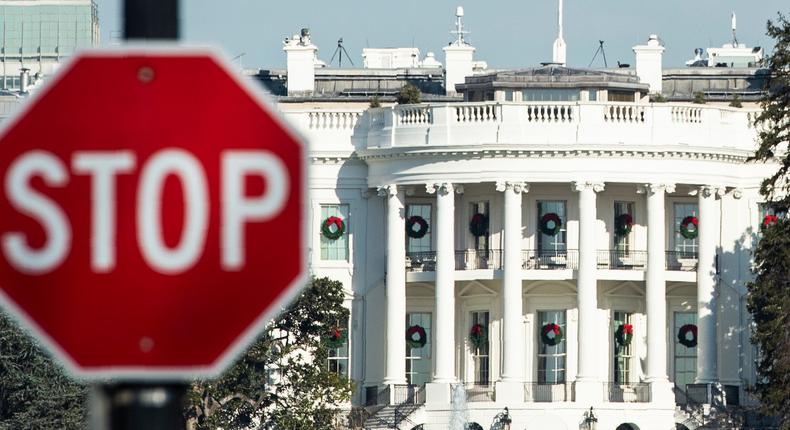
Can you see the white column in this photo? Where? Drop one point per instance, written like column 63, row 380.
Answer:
column 395, row 372
column 512, row 314
column 444, row 326
column 655, row 295
column 706, row 285
column 587, row 282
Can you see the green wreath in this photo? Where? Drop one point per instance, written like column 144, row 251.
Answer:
column 551, row 334
column 550, row 224
column 416, row 337
column 422, row 227
column 478, row 335
column 335, row 338
column 683, row 337
column 624, row 334
column 623, row 224
column 478, row 226
column 689, row 227
column 333, row 228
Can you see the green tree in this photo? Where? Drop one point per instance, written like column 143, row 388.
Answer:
column 409, row 94
column 699, row 98
column 34, row 392
column 769, row 293
column 736, row 101
column 292, row 352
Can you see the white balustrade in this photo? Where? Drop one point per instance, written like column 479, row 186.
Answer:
column 628, row 113
column 550, row 113
column 686, row 114
column 413, row 114
column 476, row 113
column 333, row 120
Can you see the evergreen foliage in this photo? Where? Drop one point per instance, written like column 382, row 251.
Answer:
column 409, row 94
column 736, row 101
column 699, row 98
column 375, row 102
column 283, row 381
column 34, row 392
column 769, row 293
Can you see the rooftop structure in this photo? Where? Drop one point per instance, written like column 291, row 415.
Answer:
column 39, row 34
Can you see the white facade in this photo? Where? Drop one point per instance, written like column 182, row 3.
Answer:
column 585, row 160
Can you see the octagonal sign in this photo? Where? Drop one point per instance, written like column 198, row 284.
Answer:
column 151, row 214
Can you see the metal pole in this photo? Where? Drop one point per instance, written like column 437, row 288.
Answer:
column 139, row 406
column 150, row 19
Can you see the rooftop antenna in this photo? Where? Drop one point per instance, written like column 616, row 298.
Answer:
column 734, row 37
column 339, row 52
column 603, row 52
column 559, row 44
column 459, row 31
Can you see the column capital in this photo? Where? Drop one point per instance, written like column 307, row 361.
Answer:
column 387, row 190
column 515, row 186
column 707, row 191
column 587, row 185
column 442, row 188
column 656, row 187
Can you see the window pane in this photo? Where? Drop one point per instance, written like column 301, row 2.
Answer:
column 551, row 359
column 418, row 360
column 557, row 242
column 622, row 243
column 422, row 244
column 480, row 355
column 683, row 245
column 335, row 249
column 685, row 358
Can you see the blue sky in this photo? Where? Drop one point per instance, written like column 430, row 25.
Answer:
column 506, row 33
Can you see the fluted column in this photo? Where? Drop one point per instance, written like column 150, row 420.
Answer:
column 706, row 284
column 587, row 281
column 444, row 328
column 512, row 312
column 655, row 283
column 395, row 372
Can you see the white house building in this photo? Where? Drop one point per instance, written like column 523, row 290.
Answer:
column 546, row 240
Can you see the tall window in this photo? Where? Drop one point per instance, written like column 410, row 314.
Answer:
column 422, row 244
column 685, row 358
column 622, row 354
column 552, row 95
column 622, row 244
column 335, row 249
column 480, row 355
column 551, row 359
column 558, row 241
column 418, row 360
column 337, row 360
column 481, row 242
column 687, row 247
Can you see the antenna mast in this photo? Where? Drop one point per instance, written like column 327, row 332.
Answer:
column 559, row 44
column 459, row 31
column 734, row 37
column 340, row 50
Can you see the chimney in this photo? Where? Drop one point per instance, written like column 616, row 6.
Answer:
column 24, row 79
column 458, row 56
column 300, row 62
column 649, row 63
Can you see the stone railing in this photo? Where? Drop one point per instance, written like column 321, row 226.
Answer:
column 558, row 123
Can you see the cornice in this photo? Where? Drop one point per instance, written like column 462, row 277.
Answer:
column 725, row 155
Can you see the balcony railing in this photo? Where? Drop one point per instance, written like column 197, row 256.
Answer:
column 476, row 260
column 681, row 261
column 539, row 392
column 408, row 394
column 421, row 261
column 626, row 393
column 622, row 260
column 476, row 392
column 493, row 259
column 550, row 260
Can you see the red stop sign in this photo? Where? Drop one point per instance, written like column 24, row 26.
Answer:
column 151, row 216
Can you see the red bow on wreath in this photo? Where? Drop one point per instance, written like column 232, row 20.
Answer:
column 628, row 329
column 477, row 329
column 769, row 219
column 336, row 334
